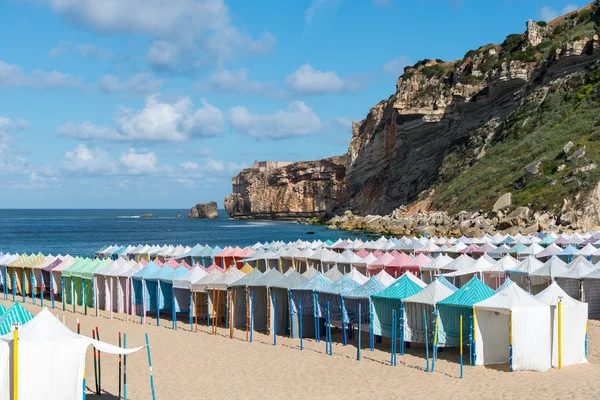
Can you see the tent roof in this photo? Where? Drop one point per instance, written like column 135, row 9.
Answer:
column 271, row 278
column 385, row 278
column 248, row 280
column 434, row 292
column 16, row 313
column 527, row 266
column 293, row 280
column 342, row 286
column 371, row 287
column 403, row 287
column 333, row 274
column 205, row 280
column 310, row 273
column 193, row 275
column 553, row 293
column 552, row 268
column 578, row 268
column 149, row 269
column 230, row 276
column 45, row 327
column 318, row 282
column 508, row 299
column 472, row 292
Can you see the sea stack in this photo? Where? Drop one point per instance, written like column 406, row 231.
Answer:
column 204, row 210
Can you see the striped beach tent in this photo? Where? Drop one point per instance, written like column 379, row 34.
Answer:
column 16, row 313
column 390, row 299
column 460, row 303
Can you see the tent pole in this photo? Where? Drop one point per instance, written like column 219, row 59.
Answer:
column 274, row 319
column 359, row 329
column 371, row 344
column 150, row 365
column 95, row 363
column 51, row 290
column 300, row 330
column 15, row 362
column 393, row 350
column 251, row 314
column 72, row 289
column 226, row 308
column 99, row 365
column 120, row 359
column 511, row 343
column 33, row 299
column 290, row 310
column 426, row 342
column 157, row 303
column 402, row 316
column 14, row 287
column 474, row 350
column 125, row 368
column 23, row 285
column 192, row 311
column 559, row 335
column 344, row 340
column 174, row 327
column 461, row 345
column 247, row 313
column 435, row 341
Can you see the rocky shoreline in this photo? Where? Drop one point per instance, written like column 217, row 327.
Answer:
column 580, row 215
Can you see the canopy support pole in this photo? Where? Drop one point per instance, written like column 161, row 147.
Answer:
column 300, row 330
column 150, row 365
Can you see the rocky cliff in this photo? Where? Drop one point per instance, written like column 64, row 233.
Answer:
column 457, row 135
column 300, row 190
column 204, row 210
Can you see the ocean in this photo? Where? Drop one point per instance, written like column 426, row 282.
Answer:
column 82, row 232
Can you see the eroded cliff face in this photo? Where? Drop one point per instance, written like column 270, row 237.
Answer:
column 443, row 118
column 301, row 190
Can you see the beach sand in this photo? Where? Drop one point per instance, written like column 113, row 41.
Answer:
column 193, row 365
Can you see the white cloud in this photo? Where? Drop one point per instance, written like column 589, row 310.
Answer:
column 159, row 120
column 140, row 83
column 307, row 80
column 61, row 48
column 96, row 161
column 236, row 81
column 318, row 9
column 212, row 168
column 13, row 75
column 569, row 8
column 382, row 3
column 395, row 66
column 139, row 163
column 298, row 120
column 89, row 161
column 163, row 55
column 89, row 50
column 184, row 23
column 547, row 13
column 264, row 44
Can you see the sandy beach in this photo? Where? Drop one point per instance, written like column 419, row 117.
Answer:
column 192, row 365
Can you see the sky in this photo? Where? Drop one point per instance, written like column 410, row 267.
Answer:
column 158, row 104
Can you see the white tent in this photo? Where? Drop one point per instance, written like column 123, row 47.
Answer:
column 514, row 314
column 574, row 321
column 51, row 359
column 423, row 301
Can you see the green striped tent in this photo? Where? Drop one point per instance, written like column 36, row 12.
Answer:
column 2, row 310
column 16, row 313
column 390, row 299
column 460, row 303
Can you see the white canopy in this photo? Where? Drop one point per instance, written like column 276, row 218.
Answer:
column 514, row 313
column 51, row 358
column 574, row 321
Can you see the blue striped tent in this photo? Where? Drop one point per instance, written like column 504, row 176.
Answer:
column 16, row 313
column 460, row 303
column 391, row 299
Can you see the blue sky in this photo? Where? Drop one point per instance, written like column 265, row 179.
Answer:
column 156, row 104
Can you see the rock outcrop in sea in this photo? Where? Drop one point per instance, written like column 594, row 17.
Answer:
column 204, row 210
column 518, row 117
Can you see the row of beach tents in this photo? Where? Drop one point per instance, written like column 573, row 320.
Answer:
column 272, row 301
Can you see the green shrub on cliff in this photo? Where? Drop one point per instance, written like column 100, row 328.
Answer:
column 533, row 132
